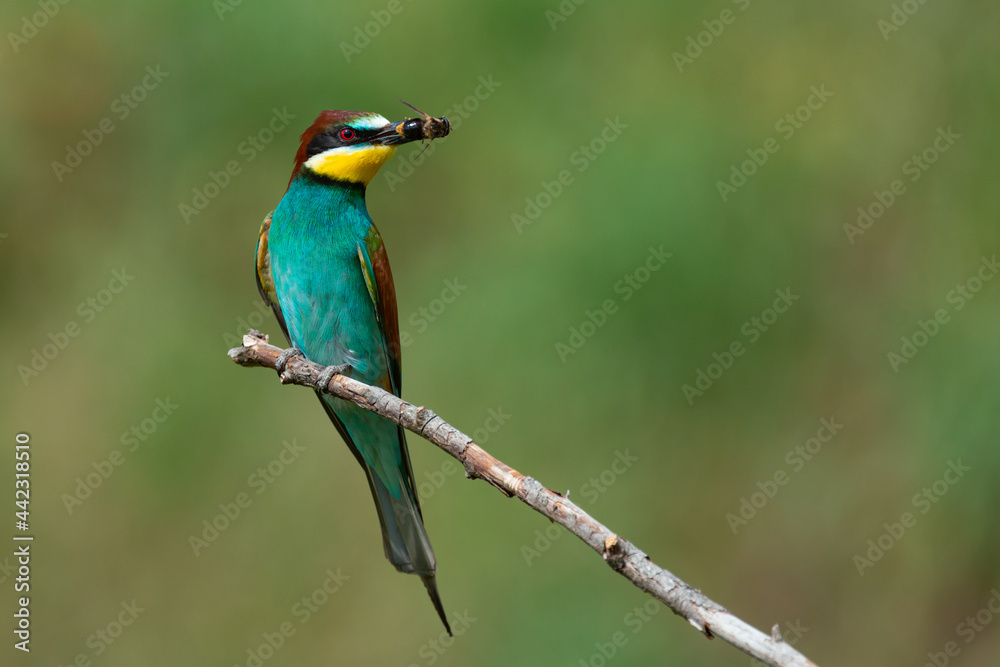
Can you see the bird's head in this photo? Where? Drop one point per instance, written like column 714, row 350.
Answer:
column 351, row 146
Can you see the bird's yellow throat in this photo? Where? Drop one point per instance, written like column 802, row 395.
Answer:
column 355, row 164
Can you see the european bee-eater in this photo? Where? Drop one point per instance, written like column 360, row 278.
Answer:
column 323, row 269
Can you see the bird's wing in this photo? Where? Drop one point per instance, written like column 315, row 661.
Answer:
column 378, row 278
column 265, row 281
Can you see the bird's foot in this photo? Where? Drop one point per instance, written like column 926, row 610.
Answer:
column 282, row 361
column 324, row 378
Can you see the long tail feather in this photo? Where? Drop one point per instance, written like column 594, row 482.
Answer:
column 404, row 538
column 432, row 590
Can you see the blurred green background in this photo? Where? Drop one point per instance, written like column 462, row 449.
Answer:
column 223, row 69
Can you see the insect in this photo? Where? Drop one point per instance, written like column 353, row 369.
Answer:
column 425, row 127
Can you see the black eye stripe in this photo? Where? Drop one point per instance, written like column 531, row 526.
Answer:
column 321, row 142
column 324, row 141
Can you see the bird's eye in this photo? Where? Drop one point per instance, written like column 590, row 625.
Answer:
column 347, row 134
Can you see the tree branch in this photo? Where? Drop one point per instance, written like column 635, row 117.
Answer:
column 625, row 558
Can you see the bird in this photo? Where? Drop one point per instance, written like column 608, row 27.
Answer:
column 322, row 267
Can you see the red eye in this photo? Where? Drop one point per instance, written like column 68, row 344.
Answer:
column 347, row 134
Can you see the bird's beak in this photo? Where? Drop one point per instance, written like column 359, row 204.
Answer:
column 412, row 129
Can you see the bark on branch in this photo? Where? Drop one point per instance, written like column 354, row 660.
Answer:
column 709, row 617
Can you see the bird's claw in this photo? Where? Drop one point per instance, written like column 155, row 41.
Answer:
column 283, row 358
column 324, row 378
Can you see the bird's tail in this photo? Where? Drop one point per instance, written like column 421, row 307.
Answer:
column 403, row 535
